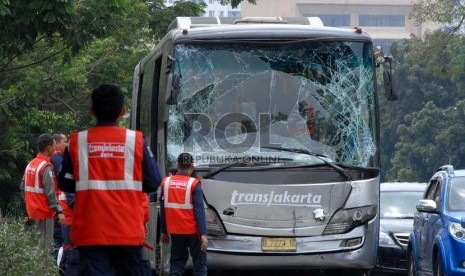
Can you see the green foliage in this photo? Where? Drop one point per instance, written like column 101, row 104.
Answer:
column 19, row 253
column 235, row 3
column 162, row 16
column 24, row 22
column 52, row 54
column 449, row 12
column 4, row 10
column 424, row 128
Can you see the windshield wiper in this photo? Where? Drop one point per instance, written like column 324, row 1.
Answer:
column 225, row 167
column 321, row 157
column 220, row 169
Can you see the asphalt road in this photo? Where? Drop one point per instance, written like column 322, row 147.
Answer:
column 285, row 272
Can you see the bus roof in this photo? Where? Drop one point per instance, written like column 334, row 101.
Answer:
column 195, row 22
column 185, row 29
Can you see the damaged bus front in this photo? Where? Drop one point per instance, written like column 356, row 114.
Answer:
column 282, row 121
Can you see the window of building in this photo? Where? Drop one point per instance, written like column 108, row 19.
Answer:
column 382, row 20
column 211, row 1
column 333, row 20
column 221, row 13
column 211, row 13
column 234, row 14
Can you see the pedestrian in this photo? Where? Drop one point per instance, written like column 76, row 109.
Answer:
column 66, row 200
column 40, row 192
column 108, row 168
column 182, row 218
column 60, row 144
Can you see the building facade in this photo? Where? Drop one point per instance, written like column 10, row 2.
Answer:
column 214, row 8
column 385, row 21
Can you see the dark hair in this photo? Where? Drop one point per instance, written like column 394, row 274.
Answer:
column 44, row 141
column 107, row 102
column 185, row 161
column 58, row 137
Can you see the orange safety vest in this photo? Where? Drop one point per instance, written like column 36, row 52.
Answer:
column 67, row 212
column 37, row 206
column 145, row 206
column 107, row 162
column 179, row 210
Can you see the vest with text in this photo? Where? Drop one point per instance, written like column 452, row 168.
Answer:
column 37, row 206
column 179, row 211
column 107, row 162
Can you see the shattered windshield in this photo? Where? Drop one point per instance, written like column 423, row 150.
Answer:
column 236, row 98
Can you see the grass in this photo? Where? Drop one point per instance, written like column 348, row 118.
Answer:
column 19, row 251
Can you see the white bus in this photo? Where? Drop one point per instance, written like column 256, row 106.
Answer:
column 281, row 116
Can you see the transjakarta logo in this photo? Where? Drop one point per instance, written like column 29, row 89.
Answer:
column 115, row 150
column 268, row 199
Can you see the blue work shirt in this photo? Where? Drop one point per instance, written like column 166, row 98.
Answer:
column 57, row 160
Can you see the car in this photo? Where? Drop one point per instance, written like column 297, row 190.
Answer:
column 437, row 242
column 397, row 206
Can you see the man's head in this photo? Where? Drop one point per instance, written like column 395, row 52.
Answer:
column 46, row 144
column 186, row 162
column 107, row 103
column 61, row 141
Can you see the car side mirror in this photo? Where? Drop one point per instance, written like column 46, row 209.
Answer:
column 427, row 206
column 172, row 88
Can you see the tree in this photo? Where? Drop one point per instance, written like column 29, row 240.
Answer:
column 449, row 12
column 423, row 129
column 163, row 16
column 235, row 3
column 45, row 79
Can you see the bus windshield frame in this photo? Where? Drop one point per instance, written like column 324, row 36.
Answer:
column 237, row 99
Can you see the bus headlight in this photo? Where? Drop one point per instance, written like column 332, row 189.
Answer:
column 214, row 225
column 457, row 231
column 345, row 220
column 385, row 239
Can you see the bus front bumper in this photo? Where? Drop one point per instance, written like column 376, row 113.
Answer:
column 356, row 249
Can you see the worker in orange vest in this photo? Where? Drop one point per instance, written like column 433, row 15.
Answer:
column 66, row 200
column 108, row 168
column 60, row 144
column 182, row 218
column 40, row 191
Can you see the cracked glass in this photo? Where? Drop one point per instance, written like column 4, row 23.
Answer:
column 236, row 98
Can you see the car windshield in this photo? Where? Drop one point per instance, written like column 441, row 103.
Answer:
column 456, row 194
column 235, row 98
column 399, row 204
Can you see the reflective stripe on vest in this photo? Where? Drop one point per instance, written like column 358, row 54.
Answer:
column 36, row 189
column 187, row 202
column 127, row 184
column 62, row 196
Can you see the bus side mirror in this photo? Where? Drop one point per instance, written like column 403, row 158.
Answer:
column 390, row 81
column 172, row 88
column 389, row 78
